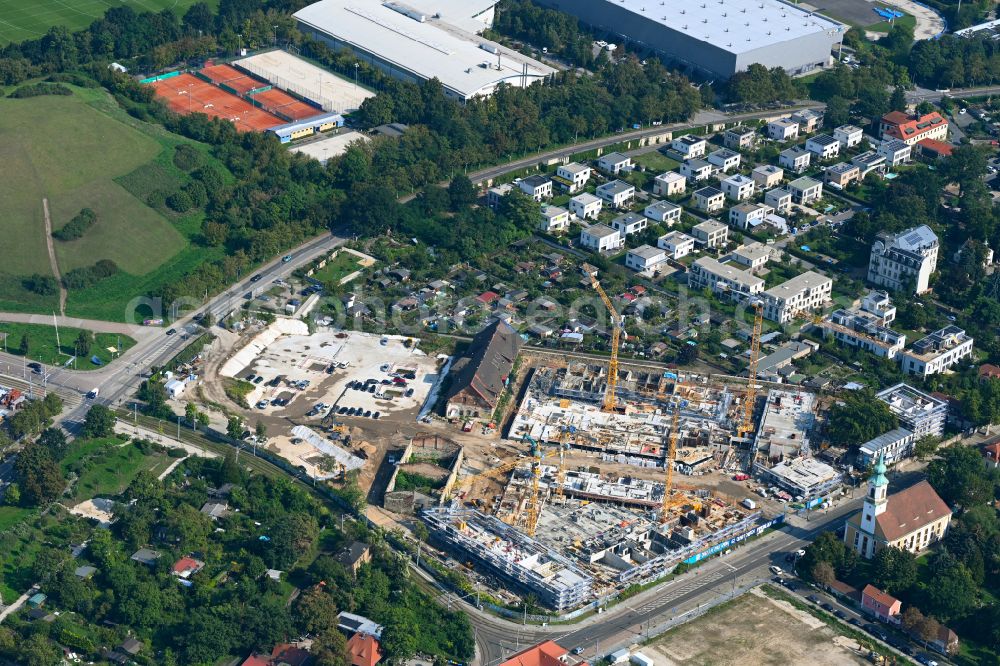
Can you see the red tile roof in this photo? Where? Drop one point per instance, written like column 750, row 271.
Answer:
column 283, row 653
column 989, row 371
column 186, row 564
column 364, row 650
column 543, row 654
column 992, row 451
column 901, row 126
column 487, row 297
column 878, row 595
column 942, row 148
column 909, row 510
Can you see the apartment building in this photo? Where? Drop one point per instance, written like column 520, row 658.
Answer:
column 752, row 256
column 804, row 292
column 849, row 136
column 918, row 412
column 936, row 352
column 496, row 194
column 869, row 161
column 823, row 146
column 913, row 128
column 554, row 220
column 723, row 279
column 645, row 259
column 895, row 152
column 857, row 328
column 897, row 260
column 601, row 238
column 809, row 120
column 747, row 215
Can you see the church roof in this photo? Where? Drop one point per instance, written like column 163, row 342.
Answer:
column 909, row 510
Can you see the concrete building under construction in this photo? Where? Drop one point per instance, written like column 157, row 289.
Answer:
column 518, row 559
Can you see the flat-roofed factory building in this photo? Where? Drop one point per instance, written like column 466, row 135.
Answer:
column 720, row 38
column 424, row 39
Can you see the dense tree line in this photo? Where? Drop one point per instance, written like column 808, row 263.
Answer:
column 953, row 61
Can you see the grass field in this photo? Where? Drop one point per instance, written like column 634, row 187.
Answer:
column 907, row 21
column 29, row 19
column 106, row 467
column 42, row 344
column 84, row 151
column 338, row 268
column 656, row 161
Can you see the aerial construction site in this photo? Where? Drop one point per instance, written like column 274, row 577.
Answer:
column 612, row 474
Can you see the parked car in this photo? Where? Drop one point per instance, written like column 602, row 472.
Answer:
column 813, row 598
column 376, row 415
column 285, row 259
column 367, row 413
column 409, row 392
column 262, row 404
column 775, row 570
column 342, row 410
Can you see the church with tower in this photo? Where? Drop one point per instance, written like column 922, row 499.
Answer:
column 911, row 519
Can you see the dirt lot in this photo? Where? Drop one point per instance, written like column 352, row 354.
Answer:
column 754, row 631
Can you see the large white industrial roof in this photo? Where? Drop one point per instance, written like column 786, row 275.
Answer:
column 428, row 48
column 736, row 26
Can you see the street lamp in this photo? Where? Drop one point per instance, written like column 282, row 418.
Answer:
column 356, row 66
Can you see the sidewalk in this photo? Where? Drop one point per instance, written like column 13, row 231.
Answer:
column 124, row 427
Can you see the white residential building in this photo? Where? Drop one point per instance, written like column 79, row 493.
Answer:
column 711, row 233
column 877, row 305
column 629, row 223
column 779, row 198
column 690, row 145
column 724, row 279
column 676, row 244
column 866, row 328
column 709, row 199
column 663, row 212
column 752, row 255
column 740, row 138
column 895, row 152
column 848, row 136
column 809, row 120
column 724, row 159
column 696, row 169
column 537, row 187
column 823, row 146
column 554, row 220
column 645, row 259
column 573, row 177
column 898, row 259
column 748, row 215
column 804, row 292
column 795, row 159
column 669, row 184
column 614, row 163
column 936, row 352
column 783, row 129
column 767, row 176
column 920, row 413
column 868, row 162
column 585, row 206
column 738, row 187
column 601, row 238
column 617, row 193
column 496, row 194
column 805, row 190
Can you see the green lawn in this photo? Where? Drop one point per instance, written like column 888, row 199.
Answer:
column 656, row 161
column 30, row 19
column 106, row 467
column 85, row 151
column 42, row 344
column 337, row 268
column 907, row 21
column 12, row 515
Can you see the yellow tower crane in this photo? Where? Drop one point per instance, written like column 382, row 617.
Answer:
column 669, row 464
column 617, row 325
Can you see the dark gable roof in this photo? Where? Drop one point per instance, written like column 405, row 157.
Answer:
column 909, row 510
column 487, row 363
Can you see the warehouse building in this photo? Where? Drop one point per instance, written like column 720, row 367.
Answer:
column 716, row 38
column 422, row 40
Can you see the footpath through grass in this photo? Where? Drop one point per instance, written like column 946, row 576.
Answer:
column 42, row 345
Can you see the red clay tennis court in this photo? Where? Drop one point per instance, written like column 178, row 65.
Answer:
column 278, row 101
column 187, row 93
column 239, row 81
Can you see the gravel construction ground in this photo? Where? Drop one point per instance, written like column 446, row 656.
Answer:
column 754, row 631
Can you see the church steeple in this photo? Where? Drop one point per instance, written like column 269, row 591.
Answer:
column 877, row 499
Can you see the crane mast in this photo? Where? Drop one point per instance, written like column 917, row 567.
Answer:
column 617, row 324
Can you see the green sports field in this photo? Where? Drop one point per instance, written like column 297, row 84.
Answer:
column 30, row 19
column 82, row 151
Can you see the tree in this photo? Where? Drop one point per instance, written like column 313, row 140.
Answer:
column 99, row 422
column 38, row 475
column 82, row 344
column 12, row 496
column 191, row 413
column 895, row 570
column 928, row 629
column 911, row 619
column 260, row 430
column 234, row 428
column 461, row 192
column 25, row 345
column 823, row 573
column 55, row 442
column 229, row 471
column 959, row 477
column 859, row 417
column 330, row 648
column 317, row 612
column 897, row 101
column 926, row 446
column 952, row 592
